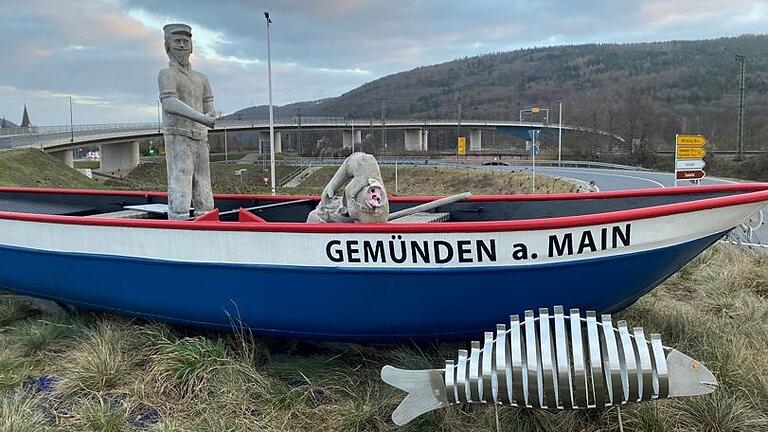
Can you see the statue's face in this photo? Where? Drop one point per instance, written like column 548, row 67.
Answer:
column 179, row 48
column 373, row 197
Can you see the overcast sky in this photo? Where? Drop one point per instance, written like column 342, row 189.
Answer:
column 106, row 53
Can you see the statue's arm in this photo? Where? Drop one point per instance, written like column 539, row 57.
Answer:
column 208, row 99
column 337, row 181
column 172, row 104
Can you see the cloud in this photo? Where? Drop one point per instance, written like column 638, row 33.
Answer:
column 107, row 52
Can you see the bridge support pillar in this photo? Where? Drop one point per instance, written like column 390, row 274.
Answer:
column 475, row 139
column 264, row 142
column 119, row 158
column 414, row 139
column 65, row 156
column 346, row 138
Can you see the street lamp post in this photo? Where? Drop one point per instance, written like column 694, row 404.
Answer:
column 271, row 118
column 533, row 162
column 71, row 122
column 740, row 122
column 383, row 126
column 298, row 115
column 560, row 134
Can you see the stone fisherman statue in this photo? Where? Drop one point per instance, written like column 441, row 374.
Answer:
column 187, row 114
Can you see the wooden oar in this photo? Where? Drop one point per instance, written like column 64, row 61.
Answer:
column 429, row 205
column 266, row 206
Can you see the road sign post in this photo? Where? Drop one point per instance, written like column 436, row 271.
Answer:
column 689, row 151
column 533, row 133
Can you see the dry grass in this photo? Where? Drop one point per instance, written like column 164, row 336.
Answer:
column 425, row 180
column 104, row 359
column 19, row 413
column 153, row 176
column 117, row 375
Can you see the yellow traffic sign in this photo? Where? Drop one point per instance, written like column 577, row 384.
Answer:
column 690, row 140
column 462, row 146
column 535, row 109
column 690, row 152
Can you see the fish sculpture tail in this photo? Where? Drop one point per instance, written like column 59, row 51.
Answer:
column 425, row 388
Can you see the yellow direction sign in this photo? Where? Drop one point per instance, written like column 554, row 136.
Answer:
column 690, row 152
column 535, row 109
column 690, row 140
column 462, row 146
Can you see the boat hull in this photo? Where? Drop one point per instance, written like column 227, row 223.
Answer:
column 334, row 303
column 367, row 282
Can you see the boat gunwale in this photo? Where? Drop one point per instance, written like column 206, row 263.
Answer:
column 749, row 193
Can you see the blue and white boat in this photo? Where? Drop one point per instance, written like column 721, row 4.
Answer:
column 253, row 261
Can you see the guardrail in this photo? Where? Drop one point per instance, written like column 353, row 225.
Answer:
column 421, row 160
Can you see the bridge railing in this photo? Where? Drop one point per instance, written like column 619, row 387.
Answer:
column 229, row 122
column 44, row 136
column 79, row 128
column 62, row 134
column 421, row 160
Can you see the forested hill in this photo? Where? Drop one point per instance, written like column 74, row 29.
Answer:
column 649, row 90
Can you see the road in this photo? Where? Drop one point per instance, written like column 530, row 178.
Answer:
column 611, row 179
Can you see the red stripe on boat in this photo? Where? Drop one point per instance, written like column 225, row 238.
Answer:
column 752, row 193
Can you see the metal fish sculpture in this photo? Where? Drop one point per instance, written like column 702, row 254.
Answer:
column 554, row 361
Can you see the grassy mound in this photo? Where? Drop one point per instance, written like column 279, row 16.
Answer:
column 431, row 180
column 31, row 167
column 411, row 180
column 108, row 373
column 154, row 176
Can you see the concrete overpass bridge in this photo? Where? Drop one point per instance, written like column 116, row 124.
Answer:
column 120, row 147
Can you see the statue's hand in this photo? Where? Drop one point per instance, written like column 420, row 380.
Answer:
column 327, row 195
column 210, row 120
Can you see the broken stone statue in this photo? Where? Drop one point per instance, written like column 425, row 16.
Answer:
column 364, row 198
column 187, row 114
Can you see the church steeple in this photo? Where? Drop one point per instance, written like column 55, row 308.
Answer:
column 25, row 119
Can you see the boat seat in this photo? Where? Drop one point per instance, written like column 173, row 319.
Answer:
column 423, row 217
column 138, row 211
column 123, row 214
column 41, row 207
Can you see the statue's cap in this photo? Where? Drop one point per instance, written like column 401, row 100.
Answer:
column 169, row 29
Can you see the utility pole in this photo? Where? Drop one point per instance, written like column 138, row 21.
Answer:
column 71, row 122
column 740, row 122
column 458, row 123
column 298, row 116
column 383, row 126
